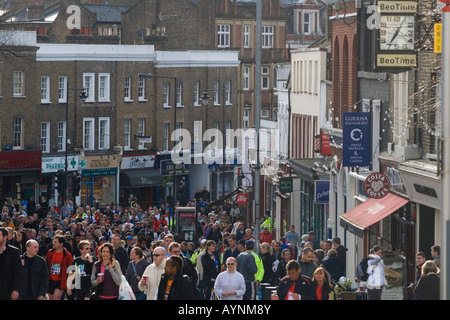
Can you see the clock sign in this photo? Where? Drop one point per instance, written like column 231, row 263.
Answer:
column 377, row 185
column 397, row 32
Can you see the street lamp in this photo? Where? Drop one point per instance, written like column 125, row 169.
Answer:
column 81, row 96
column 150, row 76
column 205, row 100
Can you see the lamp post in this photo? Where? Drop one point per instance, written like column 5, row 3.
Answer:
column 65, row 178
column 150, row 76
column 205, row 100
column 445, row 138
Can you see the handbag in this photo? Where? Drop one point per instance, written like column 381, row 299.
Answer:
column 141, row 295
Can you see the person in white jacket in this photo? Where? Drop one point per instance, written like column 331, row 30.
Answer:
column 153, row 272
column 230, row 284
column 375, row 270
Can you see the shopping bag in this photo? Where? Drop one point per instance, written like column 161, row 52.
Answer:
column 125, row 292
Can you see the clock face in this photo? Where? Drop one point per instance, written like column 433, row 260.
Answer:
column 397, row 32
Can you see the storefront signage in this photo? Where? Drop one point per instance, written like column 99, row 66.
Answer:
column 429, row 191
column 325, row 143
column 377, row 185
column 138, row 161
column 241, row 198
column 99, row 172
column 285, row 185
column 396, row 60
column 322, row 191
column 100, row 162
column 20, row 160
column 356, row 139
column 397, row 6
column 53, row 164
column 167, row 168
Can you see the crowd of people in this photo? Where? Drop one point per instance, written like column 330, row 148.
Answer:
column 81, row 253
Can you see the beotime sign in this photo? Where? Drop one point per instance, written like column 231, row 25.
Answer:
column 377, row 185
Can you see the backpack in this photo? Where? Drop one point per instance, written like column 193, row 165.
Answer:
column 361, row 270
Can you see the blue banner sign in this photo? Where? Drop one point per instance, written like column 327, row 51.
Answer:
column 322, row 191
column 356, row 139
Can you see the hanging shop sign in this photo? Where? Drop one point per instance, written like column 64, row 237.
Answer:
column 356, row 139
column 377, row 185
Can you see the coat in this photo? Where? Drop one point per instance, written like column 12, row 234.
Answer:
column 303, row 287
column 334, row 268
column 181, row 288
column 10, row 272
column 154, row 274
column 38, row 278
column 428, row 287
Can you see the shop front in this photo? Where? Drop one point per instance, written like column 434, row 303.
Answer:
column 167, row 169
column 50, row 166
column 20, row 175
column 99, row 180
column 139, row 179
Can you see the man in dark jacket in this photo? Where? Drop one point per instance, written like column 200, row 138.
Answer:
column 10, row 268
column 173, row 285
column 35, row 273
column 294, row 286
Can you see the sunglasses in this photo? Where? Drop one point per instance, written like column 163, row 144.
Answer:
column 157, row 255
column 230, row 263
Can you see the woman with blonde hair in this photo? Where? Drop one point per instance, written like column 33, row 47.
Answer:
column 265, row 252
column 428, row 286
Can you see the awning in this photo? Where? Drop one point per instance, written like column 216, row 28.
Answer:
column 140, row 178
column 370, row 212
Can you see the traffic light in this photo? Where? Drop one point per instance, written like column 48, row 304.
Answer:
column 76, row 184
column 59, row 181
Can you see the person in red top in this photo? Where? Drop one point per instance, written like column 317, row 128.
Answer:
column 265, row 236
column 58, row 259
column 321, row 283
column 294, row 286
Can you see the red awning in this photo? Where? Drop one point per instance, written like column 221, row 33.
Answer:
column 370, row 212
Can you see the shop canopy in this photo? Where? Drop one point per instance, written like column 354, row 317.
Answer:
column 147, row 177
column 370, row 212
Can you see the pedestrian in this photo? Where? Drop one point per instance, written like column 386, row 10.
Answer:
column 35, row 273
column 306, row 262
column 230, row 284
column 313, row 239
column 265, row 235
column 281, row 268
column 420, row 260
column 10, row 268
column 58, row 260
column 211, row 268
column 265, row 251
column 136, row 267
column 120, row 253
column 292, row 236
column 429, row 283
column 436, row 255
column 334, row 266
column 188, row 268
column 173, row 285
column 106, row 274
column 232, row 250
column 151, row 277
column 341, row 251
column 321, row 285
column 84, row 264
column 376, row 280
column 294, row 286
column 246, row 265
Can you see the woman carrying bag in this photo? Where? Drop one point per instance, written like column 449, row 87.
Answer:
column 136, row 268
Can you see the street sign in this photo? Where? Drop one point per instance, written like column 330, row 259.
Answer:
column 356, row 139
